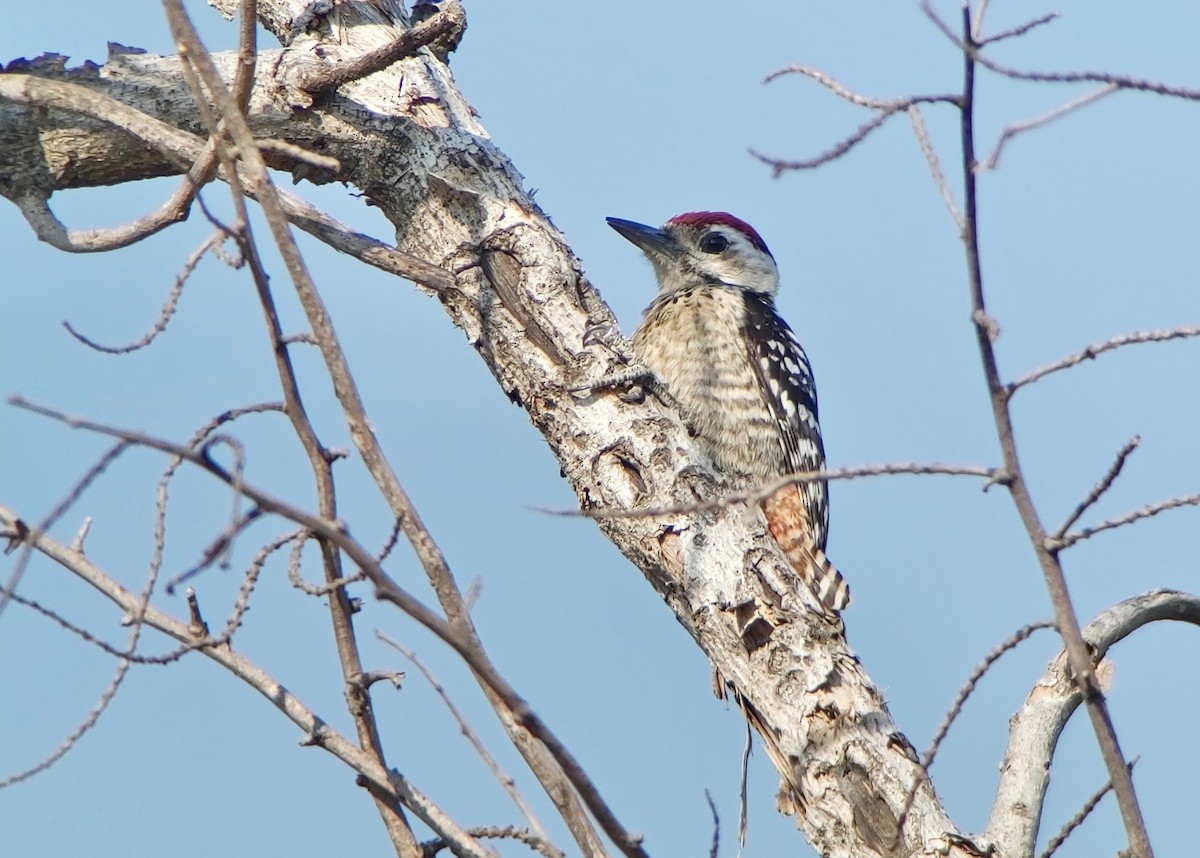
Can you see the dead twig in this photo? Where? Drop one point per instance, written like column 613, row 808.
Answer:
column 1011, row 131
column 506, row 780
column 1100, row 488
column 24, row 535
column 935, row 167
column 1148, row 511
column 450, row 19
column 390, row 781
column 453, row 634
column 1097, row 349
column 35, row 207
column 78, row 733
column 1065, row 619
column 538, row 844
column 1011, row 642
column 1077, row 820
column 887, row 109
column 970, row 49
column 168, row 308
column 714, row 850
column 761, row 493
column 1012, row 32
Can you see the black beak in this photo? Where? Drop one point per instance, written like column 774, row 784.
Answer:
column 652, row 240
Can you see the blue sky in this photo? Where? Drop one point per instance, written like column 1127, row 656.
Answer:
column 639, row 111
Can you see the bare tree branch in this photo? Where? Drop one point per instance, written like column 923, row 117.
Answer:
column 168, row 308
column 1011, row 642
column 1011, row 131
column 1096, row 349
column 1035, row 728
column 506, row 780
column 1085, row 811
column 1100, row 488
column 451, row 18
column 970, row 49
column 1147, row 511
column 48, row 228
column 757, row 494
column 887, row 108
column 313, row 726
column 935, row 167
column 1012, row 32
column 72, row 739
column 499, row 832
column 386, row 588
column 1064, row 612
column 21, row 534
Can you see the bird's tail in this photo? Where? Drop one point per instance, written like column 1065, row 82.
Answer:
column 787, row 520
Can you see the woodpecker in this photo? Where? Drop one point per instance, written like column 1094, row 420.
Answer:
column 713, row 338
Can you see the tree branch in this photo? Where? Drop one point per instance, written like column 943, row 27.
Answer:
column 1064, row 612
column 1035, row 728
column 393, row 783
column 1097, row 349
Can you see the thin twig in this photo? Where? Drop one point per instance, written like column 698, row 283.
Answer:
column 391, row 781
column 243, row 79
column 299, row 153
column 715, row 849
column 761, row 493
column 887, row 108
column 87, row 637
column 75, row 735
column 391, row 542
column 81, row 485
column 168, row 308
column 743, row 791
column 1012, row 641
column 1077, row 820
column 1013, row 32
column 779, row 166
column 935, row 167
column 299, row 539
column 973, row 54
column 429, row 848
column 1011, row 131
column 217, row 551
column 506, row 780
column 1099, row 488
column 1147, row 511
column 1096, row 349
column 837, row 88
column 516, row 707
column 249, row 580
column 981, row 8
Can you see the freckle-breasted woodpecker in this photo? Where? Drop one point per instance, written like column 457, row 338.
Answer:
column 713, row 338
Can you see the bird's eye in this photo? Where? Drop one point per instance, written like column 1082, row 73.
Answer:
column 714, row 242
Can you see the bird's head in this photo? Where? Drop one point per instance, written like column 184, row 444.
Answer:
column 704, row 247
